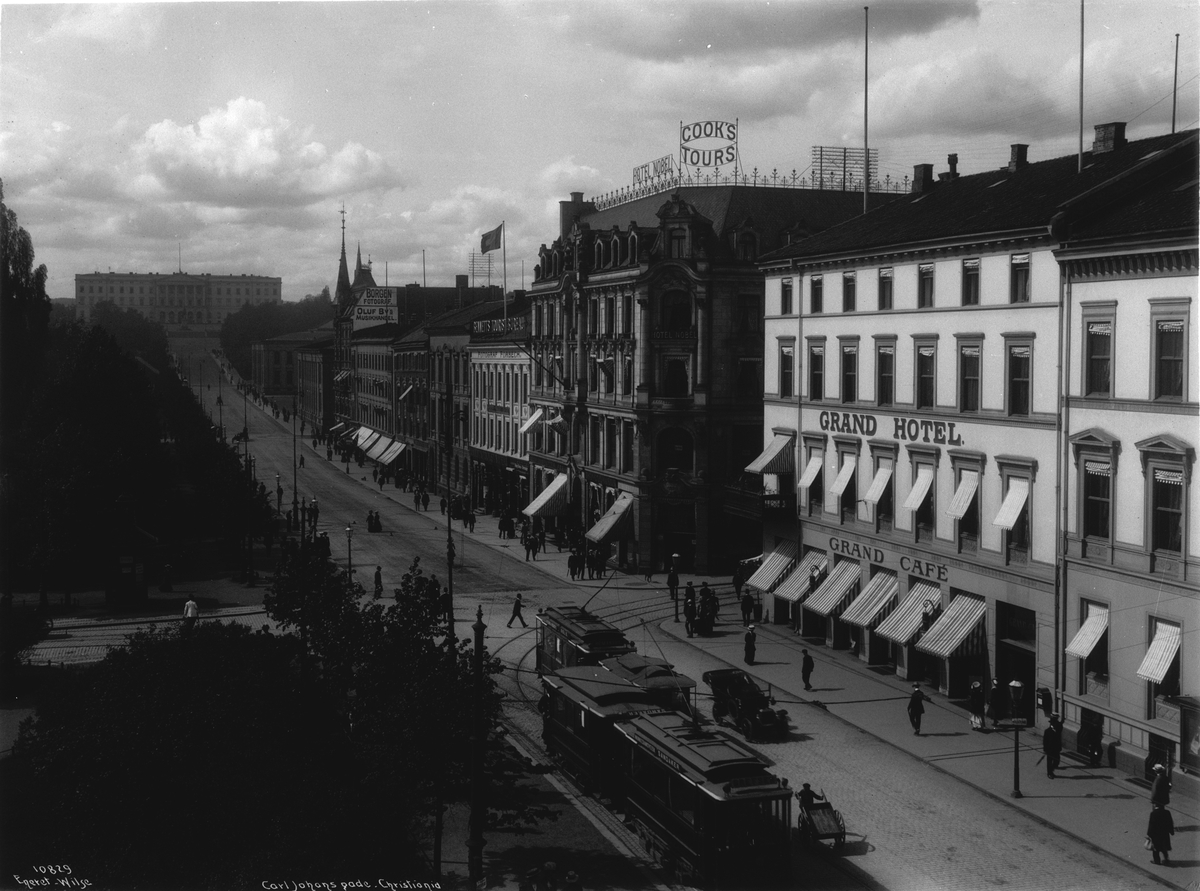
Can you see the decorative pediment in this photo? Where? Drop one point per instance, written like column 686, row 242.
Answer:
column 1095, row 439
column 1166, row 447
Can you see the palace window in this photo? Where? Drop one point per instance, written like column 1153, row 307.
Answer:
column 1020, row 370
column 785, row 297
column 1168, row 359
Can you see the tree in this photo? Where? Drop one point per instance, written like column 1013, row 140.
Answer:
column 251, row 324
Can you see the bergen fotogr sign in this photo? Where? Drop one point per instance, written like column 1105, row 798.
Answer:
column 708, row 144
column 376, row 306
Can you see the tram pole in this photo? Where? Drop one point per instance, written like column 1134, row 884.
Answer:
column 449, row 437
column 475, row 842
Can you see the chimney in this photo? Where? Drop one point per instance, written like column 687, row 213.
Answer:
column 1019, row 157
column 1109, row 137
column 952, row 174
column 569, row 211
column 460, row 288
column 922, row 178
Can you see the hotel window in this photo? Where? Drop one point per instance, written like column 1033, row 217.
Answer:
column 1098, row 370
column 1013, row 518
column 1168, row 359
column 627, row 379
column 627, row 314
column 926, row 375
column 881, row 493
column 970, row 282
column 964, row 506
column 885, row 373
column 1166, row 506
column 925, row 286
column 922, row 498
column 849, row 294
column 1097, row 499
column 817, row 294
column 812, row 481
column 885, row 288
column 816, row 373
column 845, row 485
column 1020, row 370
column 850, row 372
column 1019, row 279
column 968, row 376
column 785, row 297
column 787, row 368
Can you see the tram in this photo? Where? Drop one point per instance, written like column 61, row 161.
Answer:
column 569, row 635
column 658, row 677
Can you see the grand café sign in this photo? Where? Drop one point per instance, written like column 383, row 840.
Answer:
column 903, row 429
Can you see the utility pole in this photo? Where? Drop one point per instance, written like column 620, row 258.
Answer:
column 449, row 439
column 475, row 841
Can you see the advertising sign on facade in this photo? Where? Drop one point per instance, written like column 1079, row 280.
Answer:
column 376, row 306
column 708, row 144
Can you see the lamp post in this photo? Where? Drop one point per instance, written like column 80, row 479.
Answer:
column 349, row 554
column 249, row 507
column 1016, row 691
column 449, row 525
column 295, row 505
column 221, row 402
column 475, row 840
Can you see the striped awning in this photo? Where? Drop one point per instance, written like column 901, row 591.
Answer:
column 609, row 525
column 849, row 462
column 533, row 419
column 835, row 592
column 340, row 376
column 772, row 569
column 364, row 436
column 878, row 485
column 920, row 488
column 877, row 597
column 392, row 453
column 1018, row 491
column 337, row 428
column 794, row 588
column 778, row 457
column 558, row 424
column 905, row 620
column 810, row 471
column 1160, row 654
column 407, row 390
column 552, row 500
column 953, row 626
column 963, row 494
column 1089, row 632
column 349, row 433
column 380, row 446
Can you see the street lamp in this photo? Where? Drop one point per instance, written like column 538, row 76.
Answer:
column 221, row 402
column 1016, row 691
column 475, row 841
column 349, row 554
column 295, row 515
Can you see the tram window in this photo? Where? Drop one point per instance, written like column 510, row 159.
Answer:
column 683, row 799
column 650, row 775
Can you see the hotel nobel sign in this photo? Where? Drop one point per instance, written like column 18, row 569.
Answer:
column 903, row 429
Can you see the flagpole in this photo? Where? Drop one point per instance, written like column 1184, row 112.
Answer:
column 504, row 264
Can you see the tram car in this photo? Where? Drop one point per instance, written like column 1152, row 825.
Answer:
column 704, row 805
column 580, row 708
column 658, row 677
column 569, row 635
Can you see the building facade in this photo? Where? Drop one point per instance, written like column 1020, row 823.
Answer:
column 314, row 383
column 178, row 300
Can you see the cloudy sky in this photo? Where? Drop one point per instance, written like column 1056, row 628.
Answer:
column 233, row 133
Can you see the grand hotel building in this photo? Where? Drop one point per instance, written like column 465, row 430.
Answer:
column 933, row 504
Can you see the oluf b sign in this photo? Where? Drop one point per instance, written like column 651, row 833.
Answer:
column 708, row 144
column 376, row 306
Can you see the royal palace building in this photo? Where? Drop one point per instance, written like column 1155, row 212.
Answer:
column 178, row 300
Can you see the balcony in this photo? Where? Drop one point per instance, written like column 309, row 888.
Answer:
column 778, row 505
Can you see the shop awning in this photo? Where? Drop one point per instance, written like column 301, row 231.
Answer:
column 558, row 424
column 349, row 433
column 1089, row 632
column 963, row 494
column 1160, row 654
column 392, row 453
column 876, row 597
column 614, row 520
column 810, row 471
column 905, row 620
column 773, row 567
column 778, row 457
column 407, row 390
column 340, row 376
column 920, row 488
column 337, row 428
column 364, row 436
column 849, row 462
column 953, row 626
column 533, row 419
column 794, row 588
column 878, row 485
column 1018, row 491
column 381, row 445
column 835, row 592
column 552, row 500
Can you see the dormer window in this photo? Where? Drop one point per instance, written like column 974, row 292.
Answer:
column 747, row 246
column 678, row 244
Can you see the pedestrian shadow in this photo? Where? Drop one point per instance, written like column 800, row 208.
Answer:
column 1185, row 864
column 824, row 689
column 758, row 662
column 955, row 733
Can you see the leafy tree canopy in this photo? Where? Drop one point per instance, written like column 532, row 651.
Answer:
column 254, row 323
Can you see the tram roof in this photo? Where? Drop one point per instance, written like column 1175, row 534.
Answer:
column 648, row 671
column 710, row 759
column 590, row 631
column 600, row 691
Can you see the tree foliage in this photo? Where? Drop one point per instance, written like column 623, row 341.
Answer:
column 137, row 336
column 253, row 323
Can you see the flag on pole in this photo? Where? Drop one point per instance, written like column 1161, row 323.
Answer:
column 491, row 240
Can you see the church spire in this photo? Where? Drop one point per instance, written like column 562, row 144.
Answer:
column 343, row 283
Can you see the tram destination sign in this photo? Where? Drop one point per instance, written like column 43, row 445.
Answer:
column 376, row 306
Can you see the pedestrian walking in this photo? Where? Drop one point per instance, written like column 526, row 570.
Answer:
column 1052, row 745
column 673, row 583
column 806, row 668
column 516, row 613
column 302, row 460
column 997, row 707
column 1158, row 833
column 191, row 612
column 527, row 542
column 442, row 505
column 689, row 616
column 708, row 595
column 470, row 521
column 1160, row 791
column 649, row 571
column 417, row 500
column 378, row 582
column 747, row 607
column 689, row 593
column 916, row 708
column 425, row 500
column 975, row 700
column 751, row 640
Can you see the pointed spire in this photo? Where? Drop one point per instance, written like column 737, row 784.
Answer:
column 343, row 283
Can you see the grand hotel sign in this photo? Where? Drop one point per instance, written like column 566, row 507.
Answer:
column 902, row 428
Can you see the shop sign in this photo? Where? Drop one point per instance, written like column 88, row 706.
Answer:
column 923, row 568
column 708, row 144
column 376, row 306
column 903, row 429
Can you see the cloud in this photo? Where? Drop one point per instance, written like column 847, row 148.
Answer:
column 111, row 23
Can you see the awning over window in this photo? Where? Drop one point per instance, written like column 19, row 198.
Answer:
column 849, row 462
column 877, row 597
column 777, row 563
column 364, row 436
column 407, row 390
column 810, row 471
column 1018, row 491
column 778, row 457
column 878, row 485
column 340, row 376
column 953, row 626
column 614, row 522
column 381, row 445
column 533, row 419
column 920, row 488
column 552, row 500
column 558, row 424
column 392, row 453
column 1160, row 654
column 1089, row 632
column 337, row 428
column 349, row 433
column 795, row 587
column 905, row 620
column 963, row 495
column 835, row 592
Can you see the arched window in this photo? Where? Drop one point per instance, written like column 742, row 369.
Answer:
column 674, row 450
column 676, row 311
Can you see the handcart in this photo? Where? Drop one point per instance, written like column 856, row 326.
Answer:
column 819, row 823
